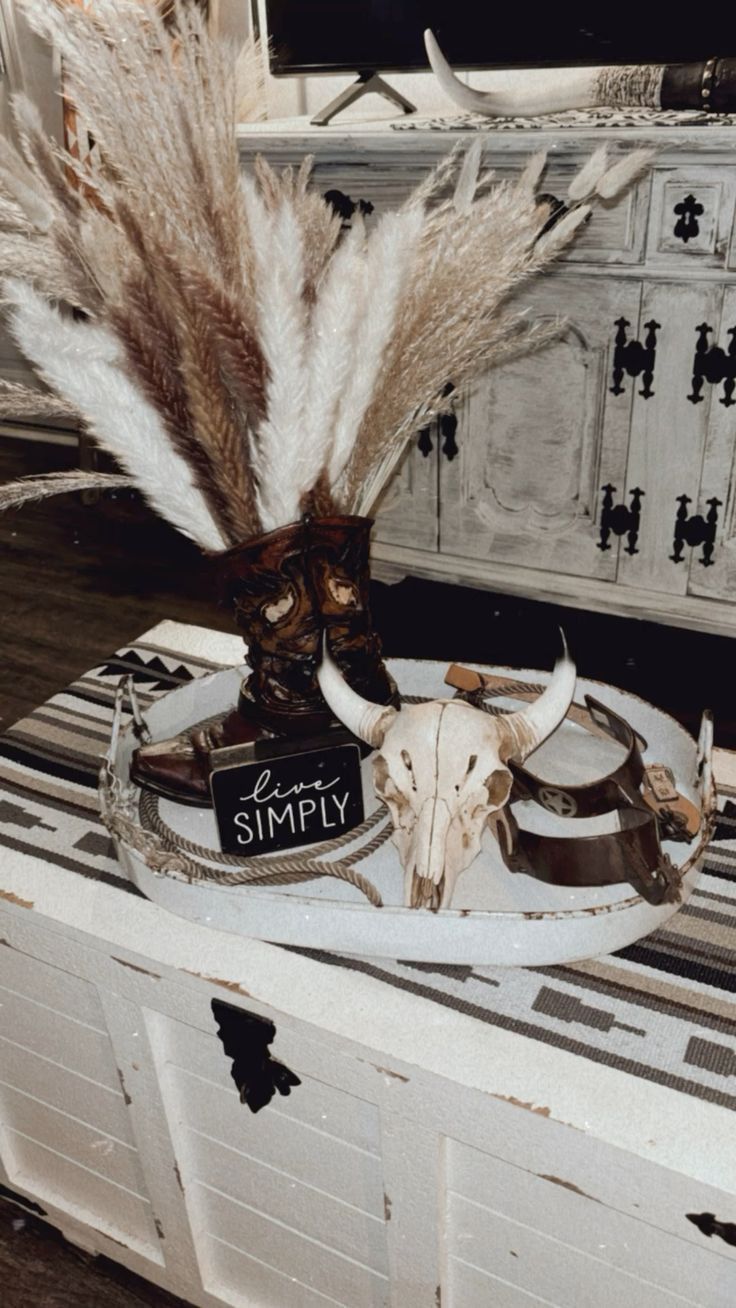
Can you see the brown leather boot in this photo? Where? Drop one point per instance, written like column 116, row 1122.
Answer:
column 339, row 565
column 286, row 589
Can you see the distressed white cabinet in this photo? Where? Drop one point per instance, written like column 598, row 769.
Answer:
column 600, row 471
column 409, row 514
column 527, row 493
column 454, row 1137
column 419, row 1162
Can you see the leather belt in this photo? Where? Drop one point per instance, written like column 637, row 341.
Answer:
column 621, row 786
column 645, row 799
column 633, row 854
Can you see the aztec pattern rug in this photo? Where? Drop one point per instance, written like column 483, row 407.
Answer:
column 663, row 1009
column 576, row 119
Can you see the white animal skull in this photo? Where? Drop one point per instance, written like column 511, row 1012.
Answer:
column 442, row 769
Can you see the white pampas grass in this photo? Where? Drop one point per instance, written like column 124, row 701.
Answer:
column 388, row 268
column 282, row 322
column 82, row 363
column 584, row 183
column 563, row 231
column 18, row 402
column 244, row 358
column 19, row 185
column 623, row 174
column 331, row 352
column 533, row 170
column 468, row 177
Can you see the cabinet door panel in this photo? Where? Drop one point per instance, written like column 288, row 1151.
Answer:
column 669, row 430
column 712, row 561
column 407, row 513
column 539, row 438
column 691, row 215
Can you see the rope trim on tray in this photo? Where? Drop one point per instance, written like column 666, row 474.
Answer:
column 279, row 869
column 134, row 818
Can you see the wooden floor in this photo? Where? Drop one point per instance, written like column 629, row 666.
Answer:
column 78, row 581
column 39, row 1269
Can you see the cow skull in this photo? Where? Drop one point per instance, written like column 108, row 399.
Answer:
column 442, row 769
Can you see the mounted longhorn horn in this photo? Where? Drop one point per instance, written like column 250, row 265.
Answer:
column 706, row 85
column 442, row 769
column 367, row 721
column 530, row 727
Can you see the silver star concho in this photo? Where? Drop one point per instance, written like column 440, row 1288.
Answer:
column 557, row 801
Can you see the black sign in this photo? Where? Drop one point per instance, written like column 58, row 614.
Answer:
column 275, row 795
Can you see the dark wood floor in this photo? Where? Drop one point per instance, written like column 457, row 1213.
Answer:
column 76, row 582
column 39, row 1269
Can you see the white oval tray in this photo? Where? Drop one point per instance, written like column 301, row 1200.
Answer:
column 497, row 918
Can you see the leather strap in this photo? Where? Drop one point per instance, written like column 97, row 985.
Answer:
column 646, row 801
column 633, row 854
column 621, row 786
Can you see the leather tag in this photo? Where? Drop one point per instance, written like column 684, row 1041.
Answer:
column 679, row 818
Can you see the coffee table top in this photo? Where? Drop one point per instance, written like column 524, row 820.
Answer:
column 657, row 1021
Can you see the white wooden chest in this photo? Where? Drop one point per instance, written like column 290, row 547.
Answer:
column 459, row 1137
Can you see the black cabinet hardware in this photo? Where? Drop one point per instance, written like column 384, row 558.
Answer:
column 714, row 365
column 620, row 519
column 448, row 428
column 633, row 358
column 445, row 428
column 695, row 531
column 245, row 1037
column 424, row 441
column 687, row 226
column 345, row 206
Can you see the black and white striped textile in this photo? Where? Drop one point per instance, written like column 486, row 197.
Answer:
column 663, row 1009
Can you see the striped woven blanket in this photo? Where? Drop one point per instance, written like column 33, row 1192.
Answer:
column 663, row 1009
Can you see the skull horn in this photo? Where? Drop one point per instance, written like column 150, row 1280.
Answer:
column 367, row 721
column 541, row 91
column 531, row 726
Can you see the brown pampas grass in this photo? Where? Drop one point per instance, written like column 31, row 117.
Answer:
column 242, row 357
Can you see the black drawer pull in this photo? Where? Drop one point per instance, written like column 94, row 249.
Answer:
column 424, row 441
column 633, row 358
column 345, row 206
column 245, row 1037
column 714, row 365
column 687, row 226
column 695, row 531
column 620, row 519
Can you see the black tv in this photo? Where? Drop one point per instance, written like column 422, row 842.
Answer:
column 365, row 36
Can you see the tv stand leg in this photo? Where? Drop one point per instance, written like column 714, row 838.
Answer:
column 367, row 83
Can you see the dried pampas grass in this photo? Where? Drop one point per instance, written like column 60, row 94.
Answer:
column 242, row 357
column 20, row 402
column 30, row 489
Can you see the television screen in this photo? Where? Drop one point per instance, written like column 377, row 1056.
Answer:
column 321, row 36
